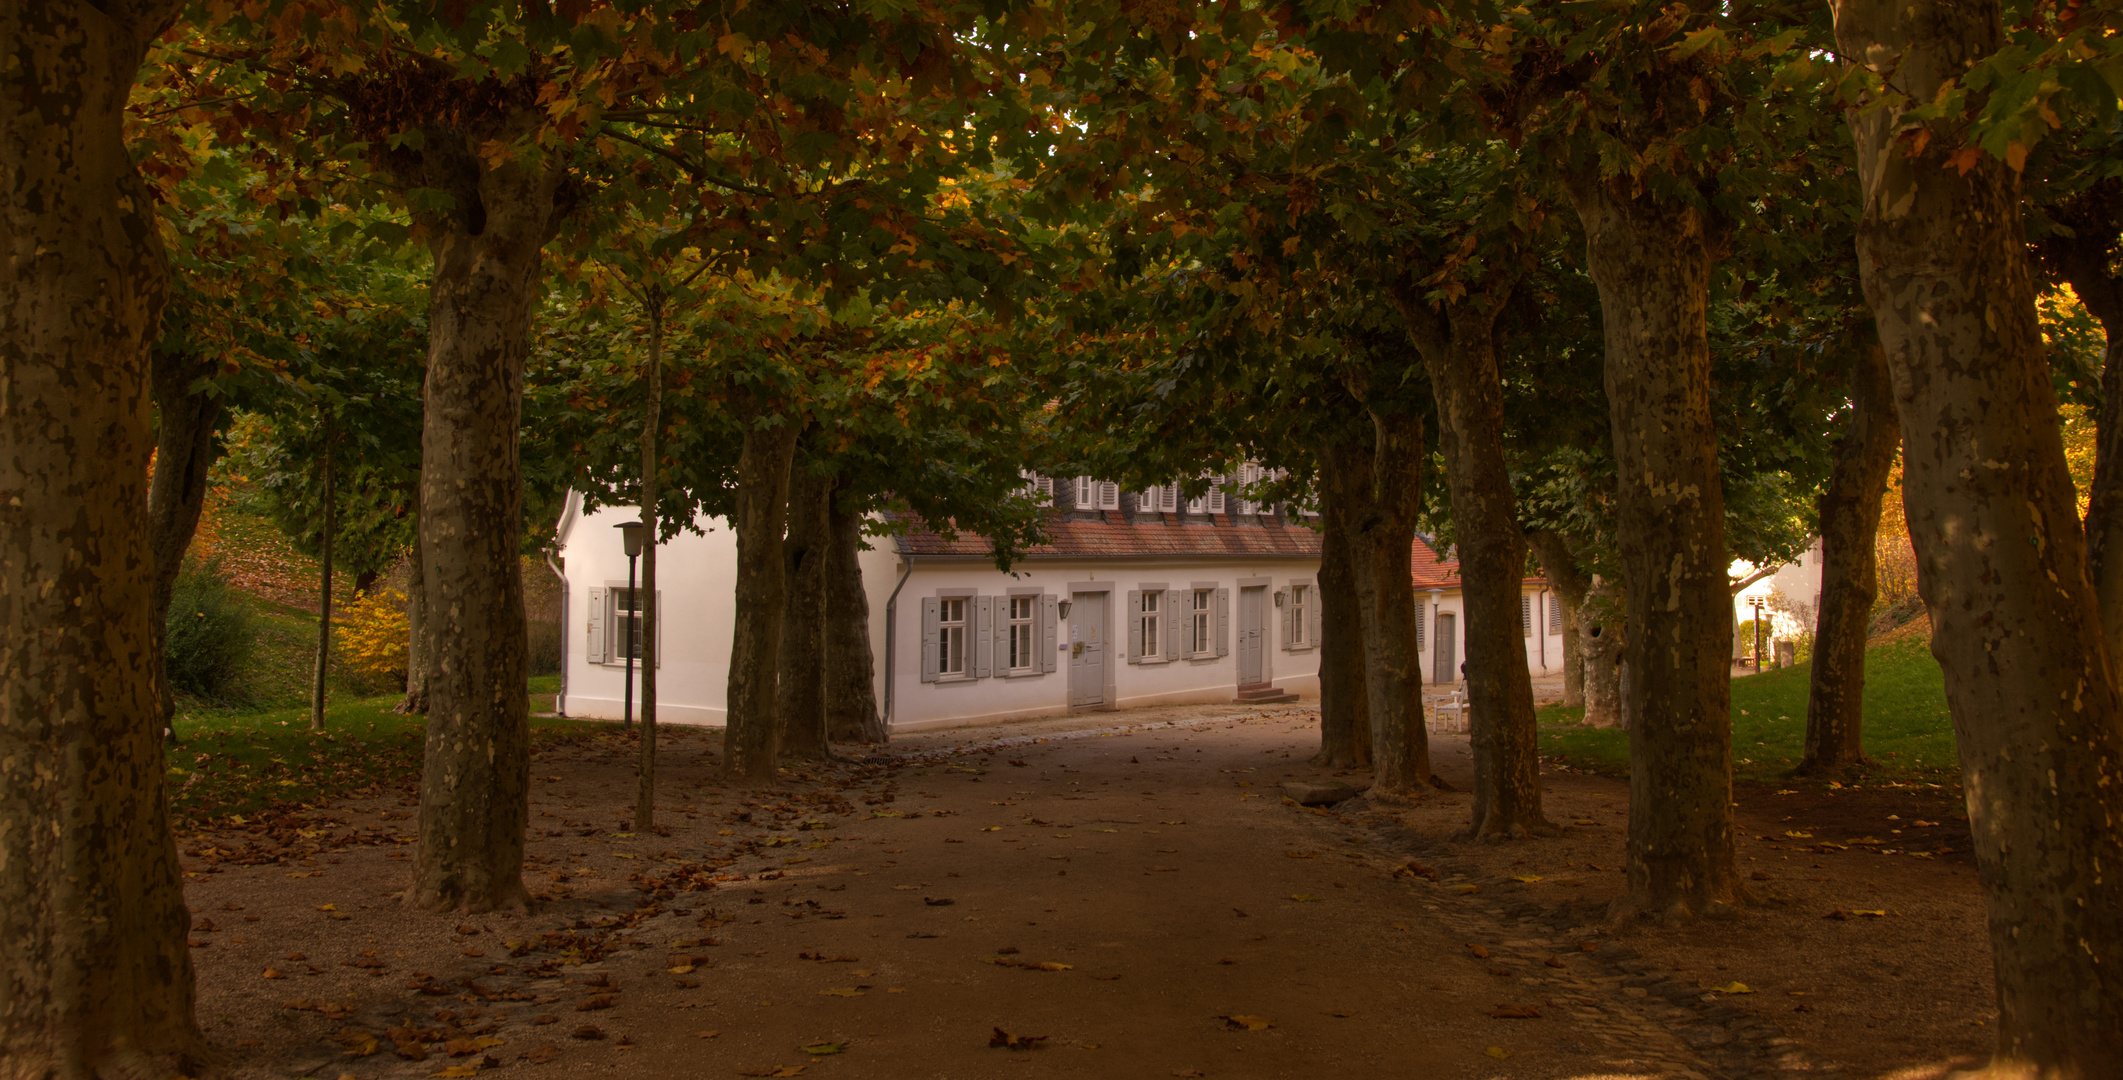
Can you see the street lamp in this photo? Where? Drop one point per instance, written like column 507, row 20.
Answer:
column 630, row 535
column 1757, row 628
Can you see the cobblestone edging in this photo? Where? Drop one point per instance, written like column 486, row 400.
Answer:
column 1646, row 1019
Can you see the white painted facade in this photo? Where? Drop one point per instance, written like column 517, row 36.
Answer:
column 1085, row 659
column 1442, row 616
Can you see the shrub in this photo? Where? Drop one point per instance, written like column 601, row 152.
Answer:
column 372, row 634
column 209, row 632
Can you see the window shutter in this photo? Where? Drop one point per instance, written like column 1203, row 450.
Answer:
column 659, row 628
column 980, row 637
column 1223, row 622
column 1048, row 623
column 1215, row 498
column 1525, row 615
column 1282, row 607
column 1421, row 623
column 594, row 652
column 1000, row 636
column 1108, row 495
column 1135, row 627
column 1555, row 615
column 931, row 612
column 1312, row 617
column 1175, row 634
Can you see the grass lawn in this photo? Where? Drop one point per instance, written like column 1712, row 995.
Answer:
column 235, row 763
column 1907, row 730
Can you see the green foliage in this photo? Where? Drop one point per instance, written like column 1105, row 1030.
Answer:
column 210, row 632
column 1907, row 731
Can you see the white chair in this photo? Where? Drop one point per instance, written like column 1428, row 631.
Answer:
column 1450, row 713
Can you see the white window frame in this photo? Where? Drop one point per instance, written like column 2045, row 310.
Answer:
column 1301, row 601
column 1148, row 614
column 609, row 628
column 1023, row 630
column 1201, row 622
column 945, row 628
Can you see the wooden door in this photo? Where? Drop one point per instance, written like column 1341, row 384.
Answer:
column 1447, row 666
column 1252, row 634
column 1088, row 651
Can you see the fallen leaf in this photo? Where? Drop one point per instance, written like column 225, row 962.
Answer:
column 1238, row 1022
column 1527, row 878
column 1497, row 1052
column 841, row 991
column 1343, row 1014
column 706, row 1034
column 1838, row 914
column 543, row 1053
column 1478, row 951
column 1466, row 890
column 274, row 973
column 1188, row 1072
column 1868, row 914
column 681, row 969
column 823, row 1049
column 1733, row 988
column 1305, row 898
column 1554, row 961
column 588, row 1031
column 1015, row 1042
column 940, row 901
column 601, row 1001
column 1515, row 1012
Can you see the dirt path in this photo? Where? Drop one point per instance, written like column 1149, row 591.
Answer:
column 1138, row 902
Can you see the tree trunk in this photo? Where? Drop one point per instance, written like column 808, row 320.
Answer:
column 324, row 595
column 475, row 786
column 416, row 630
column 2082, row 259
column 185, row 425
column 1850, row 579
column 1571, row 583
column 755, row 643
column 851, row 688
column 651, row 423
column 800, row 699
column 1383, row 544
column 95, row 978
column 2016, row 621
column 1650, row 256
column 1345, row 715
column 1603, row 634
column 1459, row 349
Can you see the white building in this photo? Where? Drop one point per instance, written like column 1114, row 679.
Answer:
column 1136, row 598
column 1790, row 598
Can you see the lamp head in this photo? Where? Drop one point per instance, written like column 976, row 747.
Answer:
column 630, row 535
column 1062, row 608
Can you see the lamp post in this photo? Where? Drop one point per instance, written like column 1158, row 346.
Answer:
column 1757, row 634
column 630, row 535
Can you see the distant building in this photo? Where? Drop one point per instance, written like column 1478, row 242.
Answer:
column 1441, row 616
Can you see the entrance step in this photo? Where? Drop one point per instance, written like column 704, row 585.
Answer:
column 1262, row 694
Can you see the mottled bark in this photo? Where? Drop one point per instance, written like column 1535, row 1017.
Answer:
column 1390, row 474
column 1849, row 510
column 653, row 302
column 2016, row 621
column 416, row 631
column 1458, row 344
column 185, row 426
column 95, row 979
column 851, row 688
column 800, row 698
column 1603, row 635
column 1571, row 583
column 2083, row 259
column 1650, row 255
column 323, row 666
column 1345, row 713
column 755, row 640
column 475, row 786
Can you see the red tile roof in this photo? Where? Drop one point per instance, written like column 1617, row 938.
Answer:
column 1428, row 571
column 1115, row 536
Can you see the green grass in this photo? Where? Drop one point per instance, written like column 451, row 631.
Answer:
column 1907, row 730
column 229, row 763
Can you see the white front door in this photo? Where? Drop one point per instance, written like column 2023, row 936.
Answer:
column 1087, row 649
column 1252, row 634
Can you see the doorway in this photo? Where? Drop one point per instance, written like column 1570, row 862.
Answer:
column 1446, row 668
column 1087, row 649
column 1252, row 634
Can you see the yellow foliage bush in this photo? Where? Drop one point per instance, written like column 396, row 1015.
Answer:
column 372, row 634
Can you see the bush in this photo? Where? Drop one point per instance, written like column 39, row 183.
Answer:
column 372, row 635
column 209, row 632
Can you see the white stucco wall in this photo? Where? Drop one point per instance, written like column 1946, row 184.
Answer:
column 916, row 705
column 697, row 577
column 1544, row 651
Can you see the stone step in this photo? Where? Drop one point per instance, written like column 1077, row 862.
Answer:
column 1262, row 694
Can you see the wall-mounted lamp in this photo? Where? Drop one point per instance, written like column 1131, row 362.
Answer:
column 1063, row 608
column 1278, row 598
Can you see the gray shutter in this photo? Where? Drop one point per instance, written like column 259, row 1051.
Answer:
column 1525, row 615
column 1421, row 623
column 980, row 637
column 1175, row 640
column 659, row 628
column 931, row 611
column 1049, row 622
column 1282, row 608
column 1223, row 622
column 1135, row 627
column 1312, row 616
column 594, row 653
